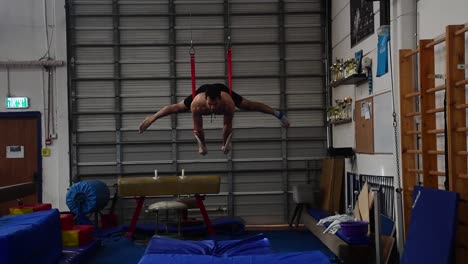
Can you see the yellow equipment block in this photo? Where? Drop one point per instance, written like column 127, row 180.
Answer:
column 70, row 238
column 17, row 211
column 168, row 185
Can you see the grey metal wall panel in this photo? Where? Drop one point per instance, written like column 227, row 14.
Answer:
column 246, row 7
column 95, row 104
column 148, row 136
column 256, row 52
column 91, row 154
column 134, row 71
column 138, row 104
column 301, row 6
column 102, row 36
column 92, row 137
column 199, row 7
column 144, row 88
column 132, row 122
column 304, row 67
column 205, row 35
column 305, row 118
column 97, row 170
column 104, row 8
column 247, row 87
column 302, row 20
column 147, row 169
column 143, row 54
column 254, row 34
column 305, row 100
column 257, row 150
column 254, row 119
column 147, row 36
column 203, row 54
column 301, row 132
column 94, row 71
column 85, row 55
column 145, row 70
column 257, row 133
column 304, row 85
column 304, row 51
column 147, row 152
column 306, row 148
column 257, row 165
column 202, row 69
column 95, row 89
column 143, row 7
column 304, row 34
column 248, row 21
column 254, row 68
column 95, row 122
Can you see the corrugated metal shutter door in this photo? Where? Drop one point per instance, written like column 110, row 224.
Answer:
column 131, row 58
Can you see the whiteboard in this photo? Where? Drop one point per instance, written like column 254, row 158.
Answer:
column 384, row 138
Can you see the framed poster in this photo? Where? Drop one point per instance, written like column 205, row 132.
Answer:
column 362, row 20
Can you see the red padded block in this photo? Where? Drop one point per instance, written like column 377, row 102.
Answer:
column 85, row 233
column 40, row 207
column 66, row 221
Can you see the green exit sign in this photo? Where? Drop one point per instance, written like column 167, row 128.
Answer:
column 17, row 102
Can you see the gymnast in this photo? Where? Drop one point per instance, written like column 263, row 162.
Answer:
column 213, row 99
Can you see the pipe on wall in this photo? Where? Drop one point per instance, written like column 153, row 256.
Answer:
column 403, row 35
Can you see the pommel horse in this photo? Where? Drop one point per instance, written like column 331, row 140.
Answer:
column 141, row 187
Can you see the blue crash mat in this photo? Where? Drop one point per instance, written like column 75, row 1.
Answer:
column 432, row 227
column 255, row 249
column 77, row 255
column 311, row 257
column 33, row 238
column 254, row 245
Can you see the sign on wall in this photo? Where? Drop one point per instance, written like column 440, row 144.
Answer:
column 15, row 152
column 362, row 20
column 16, row 102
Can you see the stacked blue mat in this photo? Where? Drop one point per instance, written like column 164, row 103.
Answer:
column 33, row 238
column 256, row 249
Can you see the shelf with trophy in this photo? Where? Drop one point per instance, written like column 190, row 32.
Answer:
column 346, row 72
column 341, row 112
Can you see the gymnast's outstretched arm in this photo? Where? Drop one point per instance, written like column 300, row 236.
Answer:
column 167, row 110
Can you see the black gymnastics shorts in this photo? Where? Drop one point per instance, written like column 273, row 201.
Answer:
column 235, row 97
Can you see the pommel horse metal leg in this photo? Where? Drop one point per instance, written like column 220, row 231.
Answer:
column 206, row 218
column 136, row 214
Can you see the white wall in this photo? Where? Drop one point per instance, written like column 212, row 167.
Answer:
column 23, row 38
column 344, row 134
column 410, row 20
column 432, row 17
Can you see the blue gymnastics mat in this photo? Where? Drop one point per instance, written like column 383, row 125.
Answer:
column 33, row 238
column 256, row 249
column 432, row 228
